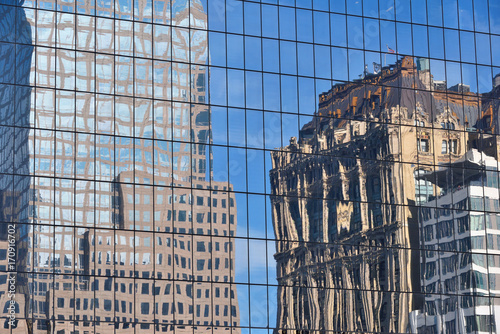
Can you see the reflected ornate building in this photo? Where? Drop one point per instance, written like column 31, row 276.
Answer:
column 345, row 198
column 121, row 225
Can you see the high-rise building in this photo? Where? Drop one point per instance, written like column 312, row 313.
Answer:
column 126, row 229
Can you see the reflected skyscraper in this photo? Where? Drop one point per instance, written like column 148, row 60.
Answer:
column 15, row 99
column 123, row 227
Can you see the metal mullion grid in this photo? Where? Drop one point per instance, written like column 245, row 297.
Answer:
column 265, row 178
column 241, row 192
column 379, row 20
column 264, row 72
column 434, row 169
column 209, row 147
column 399, row 164
column 52, row 320
column 474, row 294
column 496, row 136
column 400, row 161
column 32, row 185
column 334, row 243
column 463, row 110
column 250, row 1
column 136, row 275
column 260, row 149
column 231, row 270
column 14, row 221
column 192, row 143
column 154, row 275
column 479, row 104
column 113, row 183
column 347, row 48
column 270, row 38
column 288, row 6
column 330, row 108
column 491, row 51
column 232, row 239
column 94, row 182
column 297, row 101
column 209, row 171
column 171, row 185
column 75, row 240
column 431, row 144
column 169, row 234
column 282, row 199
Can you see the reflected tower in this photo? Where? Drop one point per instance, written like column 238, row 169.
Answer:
column 345, row 195
column 16, row 52
column 125, row 228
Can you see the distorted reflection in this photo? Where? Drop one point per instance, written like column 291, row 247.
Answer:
column 15, row 95
column 460, row 248
column 136, row 135
column 141, row 239
column 349, row 200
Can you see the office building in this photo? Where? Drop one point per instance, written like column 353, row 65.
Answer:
column 126, row 228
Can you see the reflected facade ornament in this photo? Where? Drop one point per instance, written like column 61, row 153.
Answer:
column 345, row 199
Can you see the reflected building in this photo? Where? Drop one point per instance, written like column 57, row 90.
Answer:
column 345, row 198
column 122, row 225
column 15, row 99
column 460, row 260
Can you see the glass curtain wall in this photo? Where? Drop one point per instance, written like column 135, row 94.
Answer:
column 229, row 166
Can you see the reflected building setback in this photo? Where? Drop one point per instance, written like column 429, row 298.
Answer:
column 122, row 225
column 346, row 199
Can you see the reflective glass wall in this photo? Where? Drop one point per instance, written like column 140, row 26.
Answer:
column 228, row 166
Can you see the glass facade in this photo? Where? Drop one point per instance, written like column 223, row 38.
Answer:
column 229, row 166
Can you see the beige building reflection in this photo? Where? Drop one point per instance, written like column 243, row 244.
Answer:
column 346, row 193
column 125, row 230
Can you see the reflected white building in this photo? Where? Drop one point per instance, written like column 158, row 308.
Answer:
column 460, row 257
